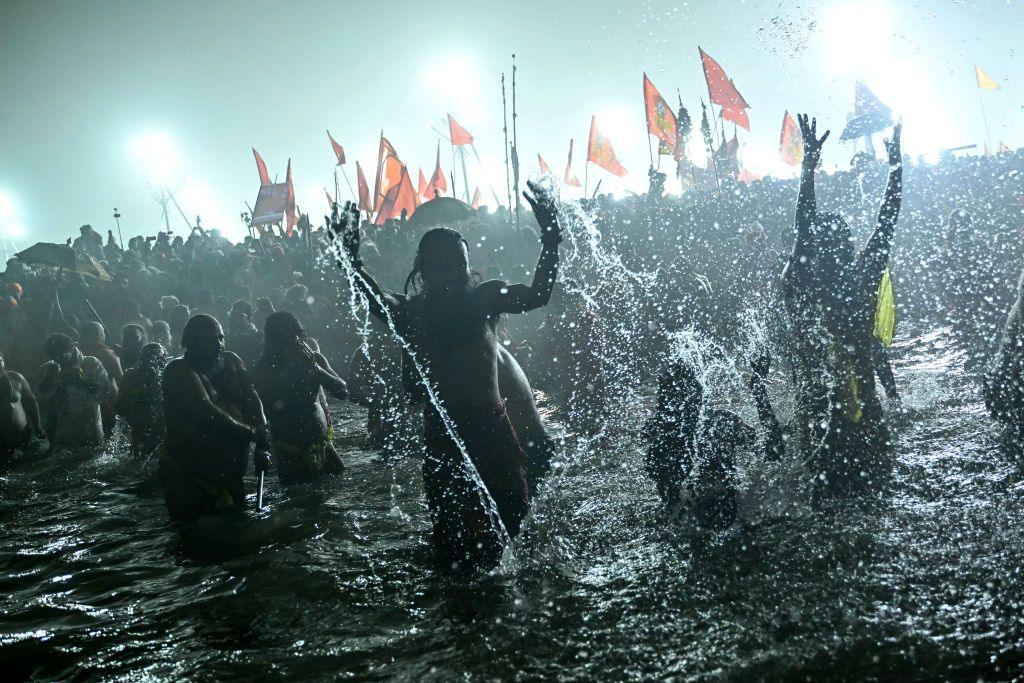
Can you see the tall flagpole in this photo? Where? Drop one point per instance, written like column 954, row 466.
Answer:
column 455, row 192
column 348, row 182
column 984, row 119
column 465, row 176
column 515, row 144
column 586, row 174
column 504, row 118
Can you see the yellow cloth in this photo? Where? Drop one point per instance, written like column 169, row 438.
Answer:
column 885, row 310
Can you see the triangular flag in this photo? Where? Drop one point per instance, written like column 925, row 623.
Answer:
column 1003, row 149
column 600, row 152
column 723, row 91
column 364, row 190
column 791, row 143
column 438, row 185
column 459, row 135
column 330, row 202
column 421, row 187
column 401, row 197
column 544, row 170
column 389, row 172
column 338, row 150
column 570, row 179
column 261, row 167
column 985, row 82
column 475, row 204
column 661, row 122
column 870, row 114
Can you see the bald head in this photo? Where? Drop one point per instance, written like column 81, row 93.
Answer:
column 203, row 337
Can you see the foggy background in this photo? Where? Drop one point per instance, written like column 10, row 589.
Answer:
column 99, row 98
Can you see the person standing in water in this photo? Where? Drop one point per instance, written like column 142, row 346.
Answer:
column 692, row 447
column 19, row 413
column 140, row 401
column 1004, row 380
column 289, row 378
column 450, row 327
column 213, row 413
column 830, row 297
column 72, row 387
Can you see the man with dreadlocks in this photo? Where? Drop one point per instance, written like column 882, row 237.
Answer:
column 140, row 402
column 830, row 296
column 449, row 324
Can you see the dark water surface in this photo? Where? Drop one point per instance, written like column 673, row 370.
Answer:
column 337, row 580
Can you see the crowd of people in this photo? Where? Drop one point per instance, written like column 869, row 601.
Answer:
column 140, row 338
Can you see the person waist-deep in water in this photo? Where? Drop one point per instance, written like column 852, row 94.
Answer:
column 19, row 413
column 140, row 401
column 692, row 447
column 1004, row 380
column 830, row 298
column 213, row 414
column 450, row 326
column 290, row 378
column 71, row 389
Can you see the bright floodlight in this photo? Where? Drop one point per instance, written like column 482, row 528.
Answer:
column 15, row 230
column 6, row 207
column 857, row 36
column 156, row 153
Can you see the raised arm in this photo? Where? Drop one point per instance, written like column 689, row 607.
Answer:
column 806, row 203
column 519, row 298
column 876, row 252
column 774, row 443
column 344, row 225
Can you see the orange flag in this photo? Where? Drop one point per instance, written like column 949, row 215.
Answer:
column 570, row 179
column 389, row 172
column 338, row 150
column 261, row 167
column 477, row 200
column 600, row 152
column 985, row 82
column 421, row 188
column 438, row 184
column 723, row 92
column 791, row 143
column 364, row 190
column 543, row 166
column 1003, row 148
column 661, row 122
column 460, row 136
column 401, row 197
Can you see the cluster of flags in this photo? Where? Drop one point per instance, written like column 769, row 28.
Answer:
column 394, row 194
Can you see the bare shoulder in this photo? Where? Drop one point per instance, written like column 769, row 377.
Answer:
column 233, row 362
column 490, row 289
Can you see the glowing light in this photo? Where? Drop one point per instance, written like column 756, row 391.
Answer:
column 156, row 153
column 14, row 230
column 454, row 81
column 857, row 36
column 6, row 207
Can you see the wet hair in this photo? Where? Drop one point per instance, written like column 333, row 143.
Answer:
column 281, row 328
column 194, row 329
column 430, row 238
column 93, row 333
column 58, row 345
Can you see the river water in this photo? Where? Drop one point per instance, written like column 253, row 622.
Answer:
column 336, row 580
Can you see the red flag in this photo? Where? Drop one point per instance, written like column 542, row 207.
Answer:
column 661, row 122
column 748, row 177
column 791, row 144
column 261, row 167
column 543, row 166
column 422, row 187
column 723, row 92
column 570, row 179
column 460, row 136
column 400, row 197
column 477, row 200
column 290, row 214
column 599, row 151
column 389, row 172
column 338, row 151
column 438, row 184
column 364, row 190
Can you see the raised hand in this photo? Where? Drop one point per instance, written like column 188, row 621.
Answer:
column 543, row 204
column 812, row 144
column 892, row 146
column 344, row 225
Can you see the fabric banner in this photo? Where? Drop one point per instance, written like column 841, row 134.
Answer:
column 271, row 203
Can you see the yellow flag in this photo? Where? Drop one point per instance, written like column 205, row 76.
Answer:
column 885, row 311
column 985, row 82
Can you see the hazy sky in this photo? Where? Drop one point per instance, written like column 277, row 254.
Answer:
column 98, row 97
